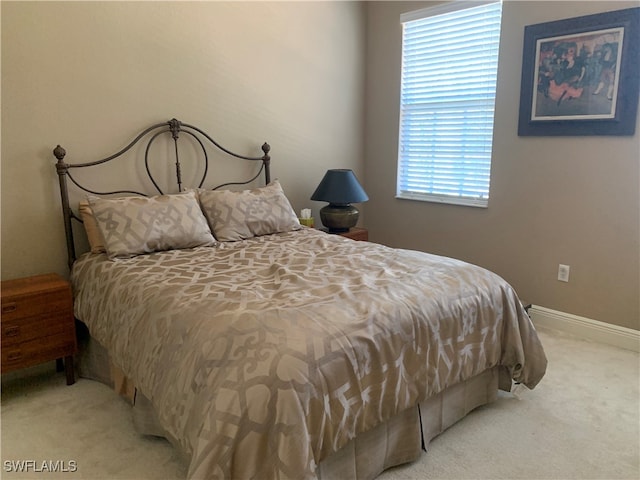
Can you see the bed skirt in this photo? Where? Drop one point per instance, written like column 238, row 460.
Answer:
column 400, row 440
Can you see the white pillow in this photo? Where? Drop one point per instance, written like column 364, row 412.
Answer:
column 91, row 227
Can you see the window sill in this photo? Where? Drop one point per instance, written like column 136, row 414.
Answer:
column 466, row 202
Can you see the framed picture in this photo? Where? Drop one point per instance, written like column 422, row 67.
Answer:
column 580, row 76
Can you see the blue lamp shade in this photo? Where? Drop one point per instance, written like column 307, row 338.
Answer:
column 340, row 188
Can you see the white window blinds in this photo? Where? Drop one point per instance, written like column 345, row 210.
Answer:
column 449, row 70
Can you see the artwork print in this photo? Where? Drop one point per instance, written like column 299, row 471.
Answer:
column 577, row 76
column 580, row 76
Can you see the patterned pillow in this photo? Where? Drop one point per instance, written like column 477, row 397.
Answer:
column 134, row 225
column 248, row 213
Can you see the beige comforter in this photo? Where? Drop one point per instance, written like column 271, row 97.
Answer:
column 262, row 357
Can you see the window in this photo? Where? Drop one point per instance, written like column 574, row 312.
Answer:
column 449, row 70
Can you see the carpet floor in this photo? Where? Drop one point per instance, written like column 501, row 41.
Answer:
column 581, row 422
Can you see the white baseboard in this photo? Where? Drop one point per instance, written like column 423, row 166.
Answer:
column 622, row 337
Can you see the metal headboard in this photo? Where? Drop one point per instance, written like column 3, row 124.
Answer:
column 173, row 127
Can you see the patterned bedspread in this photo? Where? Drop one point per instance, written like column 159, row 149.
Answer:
column 262, row 357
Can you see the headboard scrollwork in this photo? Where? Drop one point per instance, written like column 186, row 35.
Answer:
column 173, row 127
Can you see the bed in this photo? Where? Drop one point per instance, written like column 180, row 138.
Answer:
column 264, row 349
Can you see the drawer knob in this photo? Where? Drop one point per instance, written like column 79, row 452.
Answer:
column 9, row 307
column 12, row 331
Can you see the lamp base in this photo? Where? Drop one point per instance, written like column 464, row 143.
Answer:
column 339, row 218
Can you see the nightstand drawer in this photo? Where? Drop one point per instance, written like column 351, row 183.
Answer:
column 37, row 351
column 44, row 325
column 31, row 305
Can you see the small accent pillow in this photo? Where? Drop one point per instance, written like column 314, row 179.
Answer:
column 91, row 228
column 135, row 225
column 248, row 213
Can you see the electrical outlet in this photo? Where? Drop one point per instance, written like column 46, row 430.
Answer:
column 563, row 272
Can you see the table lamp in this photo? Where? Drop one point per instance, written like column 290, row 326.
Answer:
column 340, row 188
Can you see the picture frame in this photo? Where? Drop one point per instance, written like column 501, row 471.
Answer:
column 580, row 76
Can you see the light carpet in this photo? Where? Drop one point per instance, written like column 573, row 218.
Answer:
column 581, row 422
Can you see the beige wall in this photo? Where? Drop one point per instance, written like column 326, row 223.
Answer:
column 88, row 75
column 571, row 200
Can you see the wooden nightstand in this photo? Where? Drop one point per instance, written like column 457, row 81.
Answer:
column 355, row 233
column 37, row 323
